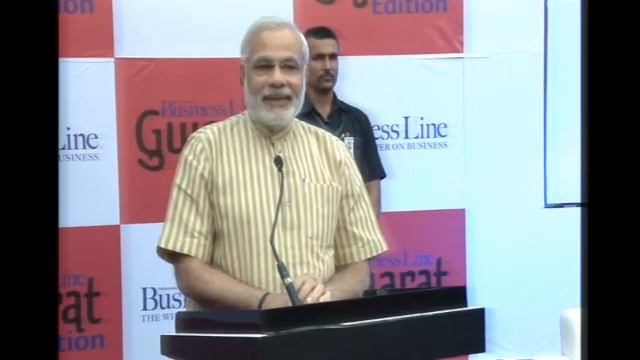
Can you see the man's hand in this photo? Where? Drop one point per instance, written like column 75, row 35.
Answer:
column 276, row 300
column 311, row 289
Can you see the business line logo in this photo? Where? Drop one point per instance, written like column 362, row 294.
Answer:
column 78, row 145
column 426, row 249
column 161, row 303
column 408, row 270
column 164, row 130
column 412, row 132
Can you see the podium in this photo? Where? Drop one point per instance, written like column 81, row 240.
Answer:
column 409, row 324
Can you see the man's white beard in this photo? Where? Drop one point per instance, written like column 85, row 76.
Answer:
column 272, row 117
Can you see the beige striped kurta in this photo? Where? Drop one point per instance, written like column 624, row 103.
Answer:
column 225, row 192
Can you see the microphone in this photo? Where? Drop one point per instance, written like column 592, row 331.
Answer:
column 282, row 268
column 278, row 162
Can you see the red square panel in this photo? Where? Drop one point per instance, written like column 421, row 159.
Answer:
column 159, row 103
column 90, row 296
column 85, row 28
column 387, row 27
column 426, row 249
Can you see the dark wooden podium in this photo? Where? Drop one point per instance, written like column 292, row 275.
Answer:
column 384, row 324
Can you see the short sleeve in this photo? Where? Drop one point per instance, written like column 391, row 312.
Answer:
column 188, row 227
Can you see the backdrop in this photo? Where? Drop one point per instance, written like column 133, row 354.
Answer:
column 137, row 77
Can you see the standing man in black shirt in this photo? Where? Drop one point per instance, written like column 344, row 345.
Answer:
column 322, row 108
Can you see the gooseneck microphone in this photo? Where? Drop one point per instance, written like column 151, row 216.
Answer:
column 282, row 268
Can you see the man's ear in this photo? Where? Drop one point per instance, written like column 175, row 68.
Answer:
column 242, row 73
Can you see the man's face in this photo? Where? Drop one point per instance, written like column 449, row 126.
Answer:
column 274, row 77
column 322, row 72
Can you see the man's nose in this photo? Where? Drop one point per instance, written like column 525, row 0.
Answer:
column 326, row 64
column 277, row 78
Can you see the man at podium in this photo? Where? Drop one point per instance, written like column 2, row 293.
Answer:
column 265, row 210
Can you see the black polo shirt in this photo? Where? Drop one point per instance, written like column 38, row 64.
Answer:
column 352, row 125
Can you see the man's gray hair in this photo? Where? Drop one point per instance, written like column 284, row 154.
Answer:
column 272, row 23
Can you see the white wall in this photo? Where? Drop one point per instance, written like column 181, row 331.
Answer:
column 523, row 260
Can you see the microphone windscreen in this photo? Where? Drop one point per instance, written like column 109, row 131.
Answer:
column 278, row 162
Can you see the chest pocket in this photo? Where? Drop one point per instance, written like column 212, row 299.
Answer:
column 314, row 209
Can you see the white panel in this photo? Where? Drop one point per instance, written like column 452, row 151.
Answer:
column 188, row 28
column 563, row 103
column 503, row 119
column 404, row 96
column 523, row 261
column 150, row 297
column 503, row 26
column 88, row 161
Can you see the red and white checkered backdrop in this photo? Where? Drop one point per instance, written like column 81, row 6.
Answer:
column 137, row 77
